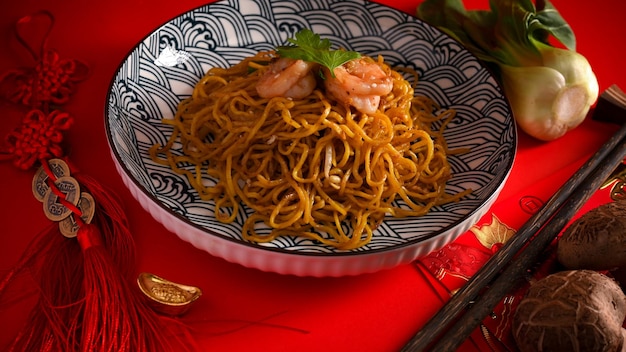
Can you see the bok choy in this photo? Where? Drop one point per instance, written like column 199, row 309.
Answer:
column 550, row 88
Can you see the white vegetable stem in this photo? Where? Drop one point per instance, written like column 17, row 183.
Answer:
column 549, row 100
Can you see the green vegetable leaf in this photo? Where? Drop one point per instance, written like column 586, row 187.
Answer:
column 548, row 19
column 511, row 32
column 309, row 46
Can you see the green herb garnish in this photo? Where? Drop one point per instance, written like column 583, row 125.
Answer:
column 310, row 47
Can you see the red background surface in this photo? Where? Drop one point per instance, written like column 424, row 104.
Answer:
column 245, row 309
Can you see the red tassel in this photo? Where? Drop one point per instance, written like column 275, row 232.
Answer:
column 113, row 224
column 116, row 318
column 85, row 298
column 55, row 273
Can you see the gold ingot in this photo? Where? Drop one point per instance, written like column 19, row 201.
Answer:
column 166, row 296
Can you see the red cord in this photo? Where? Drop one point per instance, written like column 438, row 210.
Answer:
column 62, row 198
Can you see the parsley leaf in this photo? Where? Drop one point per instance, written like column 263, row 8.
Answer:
column 310, row 47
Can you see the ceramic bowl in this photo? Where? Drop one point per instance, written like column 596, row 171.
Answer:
column 163, row 68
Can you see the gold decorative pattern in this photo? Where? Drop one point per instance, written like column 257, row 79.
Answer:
column 493, row 233
column 617, row 182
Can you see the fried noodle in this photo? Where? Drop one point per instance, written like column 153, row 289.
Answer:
column 308, row 166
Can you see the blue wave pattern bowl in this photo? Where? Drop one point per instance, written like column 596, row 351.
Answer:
column 163, row 69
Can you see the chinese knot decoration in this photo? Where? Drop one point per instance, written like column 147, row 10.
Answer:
column 82, row 265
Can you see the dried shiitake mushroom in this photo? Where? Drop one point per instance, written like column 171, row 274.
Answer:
column 596, row 240
column 576, row 310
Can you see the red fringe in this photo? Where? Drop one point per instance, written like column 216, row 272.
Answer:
column 55, row 267
column 116, row 318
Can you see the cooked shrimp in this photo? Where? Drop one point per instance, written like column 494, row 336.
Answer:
column 287, row 78
column 359, row 83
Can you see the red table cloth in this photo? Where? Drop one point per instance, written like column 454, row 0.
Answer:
column 246, row 309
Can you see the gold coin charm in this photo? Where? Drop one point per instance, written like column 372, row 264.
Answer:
column 166, row 296
column 87, row 206
column 59, row 169
column 52, row 207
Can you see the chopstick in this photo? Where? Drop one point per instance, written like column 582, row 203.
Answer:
column 487, row 301
column 543, row 226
